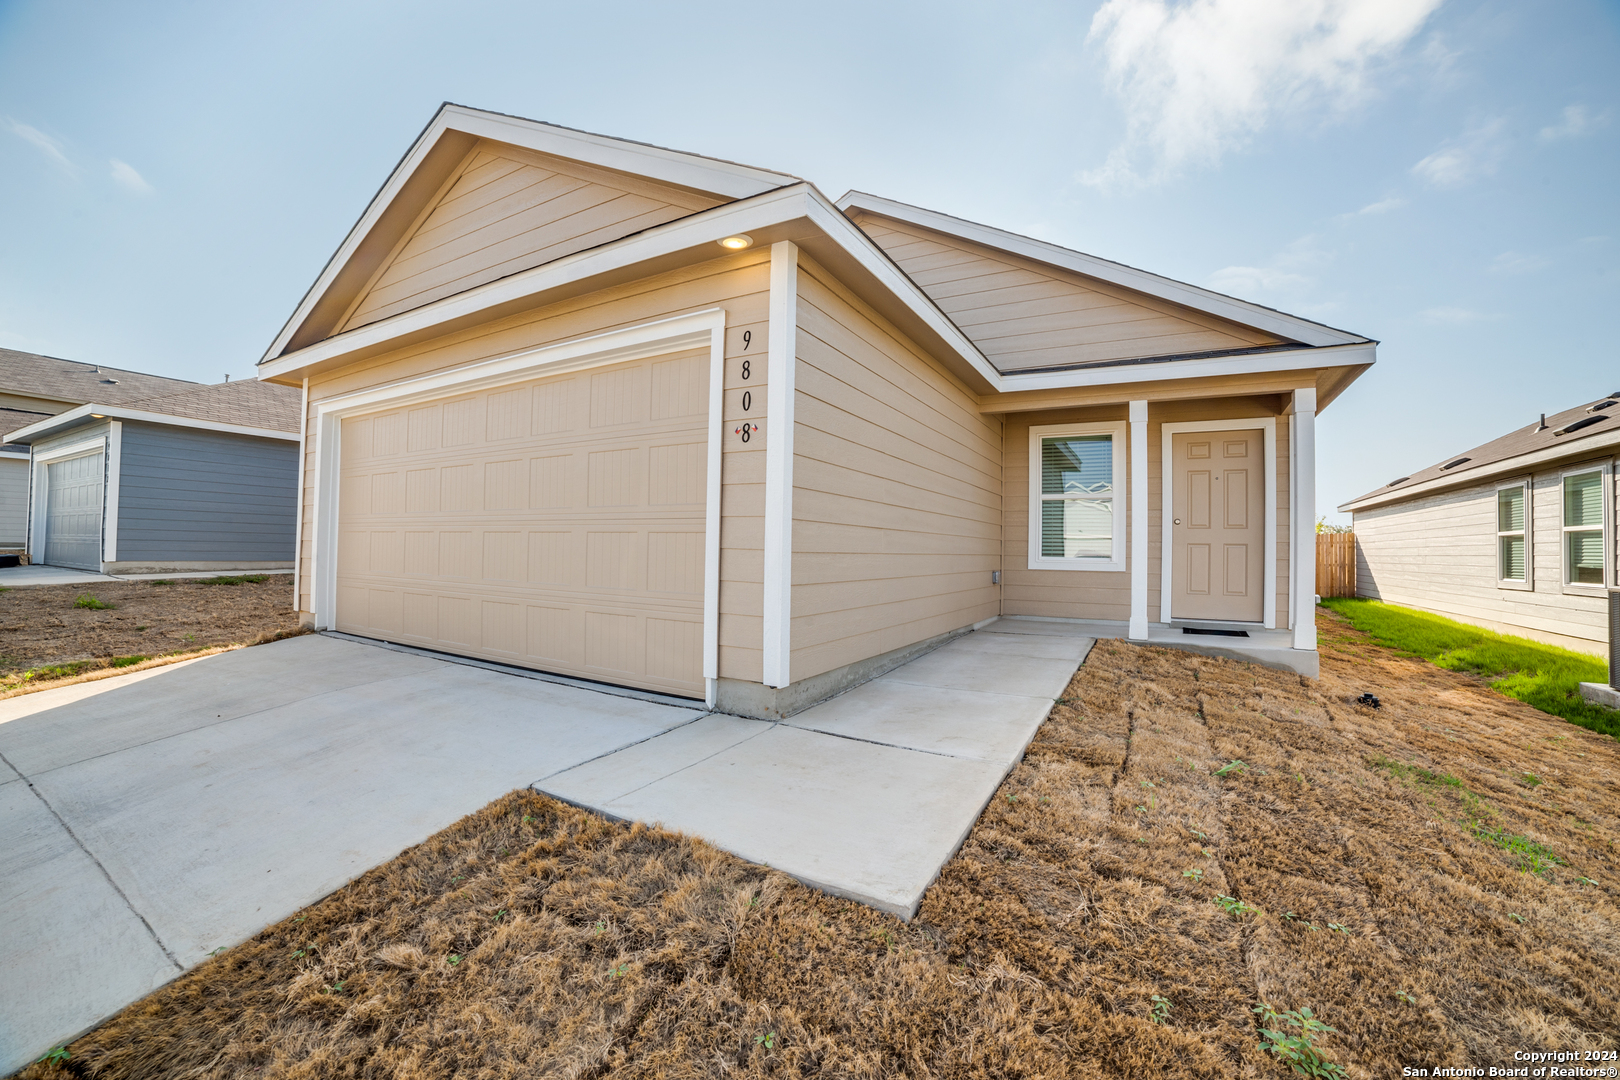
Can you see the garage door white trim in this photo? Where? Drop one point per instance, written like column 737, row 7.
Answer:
column 681, row 332
column 41, row 486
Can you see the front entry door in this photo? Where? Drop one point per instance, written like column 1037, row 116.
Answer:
column 1217, row 525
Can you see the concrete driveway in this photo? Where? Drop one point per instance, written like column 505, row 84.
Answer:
column 148, row 820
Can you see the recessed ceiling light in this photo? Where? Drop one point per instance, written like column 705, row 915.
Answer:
column 737, row 243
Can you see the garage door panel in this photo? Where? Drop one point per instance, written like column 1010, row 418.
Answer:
column 557, row 524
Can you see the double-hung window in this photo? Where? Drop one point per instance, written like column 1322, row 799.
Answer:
column 1513, row 535
column 1584, row 527
column 1077, row 497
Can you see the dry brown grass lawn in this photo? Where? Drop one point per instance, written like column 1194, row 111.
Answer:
column 536, row 940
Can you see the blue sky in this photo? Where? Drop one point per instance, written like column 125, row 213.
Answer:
column 1441, row 176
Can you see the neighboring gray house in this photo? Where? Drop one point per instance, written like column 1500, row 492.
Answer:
column 1517, row 535
column 200, row 479
column 14, row 482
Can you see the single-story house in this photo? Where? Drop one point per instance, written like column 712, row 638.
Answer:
column 201, row 479
column 33, row 387
column 633, row 415
column 1516, row 535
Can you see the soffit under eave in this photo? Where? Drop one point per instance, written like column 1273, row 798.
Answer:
column 1330, row 380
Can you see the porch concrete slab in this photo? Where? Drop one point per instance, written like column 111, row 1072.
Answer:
column 966, row 664
column 1032, row 627
column 14, row 577
column 601, row 781
column 956, row 723
column 872, row 823
column 38, row 736
column 221, row 796
column 72, row 951
column 1044, row 647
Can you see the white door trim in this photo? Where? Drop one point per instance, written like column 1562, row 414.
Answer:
column 681, row 332
column 1267, row 424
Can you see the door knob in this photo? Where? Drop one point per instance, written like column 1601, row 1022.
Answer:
column 1178, row 521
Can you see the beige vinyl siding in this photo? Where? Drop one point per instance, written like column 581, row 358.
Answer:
column 508, row 209
column 1438, row 553
column 1099, row 594
column 738, row 283
column 1024, row 314
column 896, row 488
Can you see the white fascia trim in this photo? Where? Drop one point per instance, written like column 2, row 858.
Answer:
column 1595, row 446
column 1115, row 563
column 113, row 412
column 698, row 329
column 777, row 624
column 109, row 514
column 1267, row 424
column 688, row 170
column 39, row 480
column 1178, row 292
column 1139, row 521
column 707, row 227
column 1160, row 371
column 15, row 455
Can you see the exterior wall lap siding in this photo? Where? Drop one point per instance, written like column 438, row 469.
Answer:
column 205, row 495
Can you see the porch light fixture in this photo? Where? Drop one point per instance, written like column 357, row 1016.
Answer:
column 738, row 242
column 98, row 416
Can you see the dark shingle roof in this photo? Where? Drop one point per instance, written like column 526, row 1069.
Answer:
column 68, row 380
column 15, row 420
column 249, row 403
column 1604, row 414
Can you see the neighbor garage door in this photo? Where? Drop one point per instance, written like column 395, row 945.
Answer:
column 556, row 524
column 73, row 512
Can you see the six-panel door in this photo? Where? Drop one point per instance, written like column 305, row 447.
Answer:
column 1218, row 525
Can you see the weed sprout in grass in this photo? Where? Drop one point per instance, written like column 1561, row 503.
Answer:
column 91, row 603
column 1160, row 1013
column 767, row 1040
column 1194, row 872
column 1230, row 768
column 1235, row 907
column 54, row 1056
column 1295, row 1046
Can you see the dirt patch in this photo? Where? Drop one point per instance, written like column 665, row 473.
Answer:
column 41, row 627
column 1364, row 846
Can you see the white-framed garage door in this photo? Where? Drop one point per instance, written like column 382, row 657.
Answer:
column 73, row 498
column 556, row 524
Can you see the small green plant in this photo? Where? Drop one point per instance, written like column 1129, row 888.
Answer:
column 498, row 915
column 244, row 579
column 601, row 928
column 191, row 637
column 620, row 971
column 527, row 818
column 143, row 628
column 1289, row 915
column 767, row 1040
column 1530, row 780
column 1295, row 1045
column 1533, row 858
column 453, row 959
column 1584, row 881
column 55, row 1055
column 1402, row 995
column 1340, row 928
column 1231, row 768
column 305, row 951
column 90, row 603
column 217, row 951
column 337, row 987
column 1235, row 907
column 126, row 661
column 1194, row 872
column 1147, row 783
column 1516, row 917
column 1160, row 1013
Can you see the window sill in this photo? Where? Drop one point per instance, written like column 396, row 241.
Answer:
column 1107, row 566
column 1599, row 591
column 1516, row 586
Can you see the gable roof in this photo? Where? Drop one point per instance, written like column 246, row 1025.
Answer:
column 1282, row 325
column 246, row 407
column 33, row 375
column 1593, row 427
column 433, row 159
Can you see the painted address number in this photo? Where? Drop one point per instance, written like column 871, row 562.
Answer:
column 746, row 432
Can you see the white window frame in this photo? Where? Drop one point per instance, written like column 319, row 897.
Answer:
column 1529, row 582
column 1115, row 562
column 1605, row 470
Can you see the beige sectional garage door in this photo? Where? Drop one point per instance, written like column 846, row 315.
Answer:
column 555, row 524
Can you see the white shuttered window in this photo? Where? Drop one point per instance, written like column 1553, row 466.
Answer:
column 1512, row 541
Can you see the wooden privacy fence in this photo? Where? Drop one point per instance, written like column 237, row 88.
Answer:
column 1335, row 564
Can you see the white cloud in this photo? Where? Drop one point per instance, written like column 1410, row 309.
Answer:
column 1199, row 78
column 1383, row 206
column 1455, row 316
column 50, row 147
column 1577, row 120
column 1513, row 262
column 126, row 176
column 1288, row 273
column 1475, row 153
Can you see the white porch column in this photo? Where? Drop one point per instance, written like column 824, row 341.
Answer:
column 1138, row 464
column 781, row 345
column 1302, row 544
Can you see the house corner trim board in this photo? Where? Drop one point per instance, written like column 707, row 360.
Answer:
column 1139, row 520
column 781, row 337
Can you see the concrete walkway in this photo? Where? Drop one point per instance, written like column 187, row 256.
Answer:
column 12, row 577
column 866, row 795
column 149, row 819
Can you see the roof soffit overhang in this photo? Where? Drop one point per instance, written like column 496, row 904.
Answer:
column 1593, row 446
column 1280, row 323
column 434, row 157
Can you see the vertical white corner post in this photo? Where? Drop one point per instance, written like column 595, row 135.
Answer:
column 781, row 337
column 115, row 468
column 298, row 509
column 1302, row 544
column 1139, row 521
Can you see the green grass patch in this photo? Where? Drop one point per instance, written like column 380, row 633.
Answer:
column 52, row 671
column 244, row 579
column 85, row 600
column 1543, row 676
column 126, row 661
